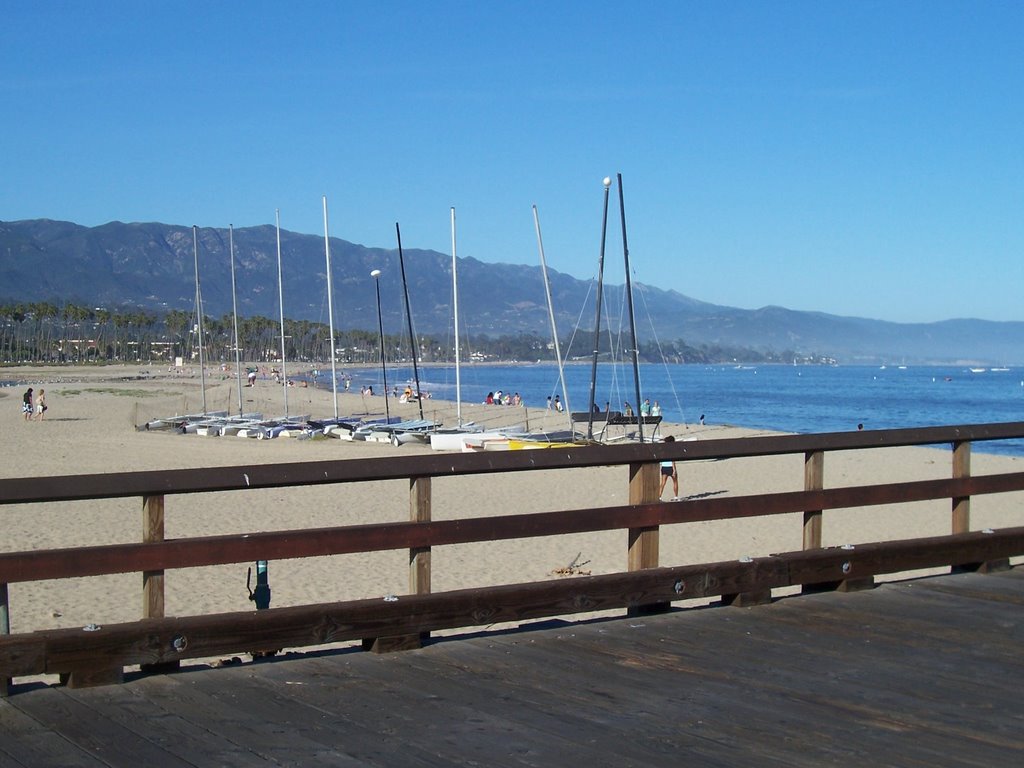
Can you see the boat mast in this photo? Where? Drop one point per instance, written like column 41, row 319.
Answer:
column 408, row 315
column 551, row 314
column 199, row 313
column 375, row 274
column 455, row 309
column 632, row 317
column 330, row 310
column 597, row 322
column 234, row 314
column 280, row 300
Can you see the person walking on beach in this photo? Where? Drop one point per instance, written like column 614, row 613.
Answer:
column 668, row 469
column 40, row 404
column 27, row 406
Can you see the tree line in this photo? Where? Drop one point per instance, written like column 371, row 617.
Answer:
column 42, row 332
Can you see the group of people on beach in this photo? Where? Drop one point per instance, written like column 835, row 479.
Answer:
column 33, row 406
column 502, row 398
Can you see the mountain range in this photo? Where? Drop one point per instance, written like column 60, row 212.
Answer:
column 152, row 266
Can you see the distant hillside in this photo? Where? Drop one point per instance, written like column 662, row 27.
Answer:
column 152, row 266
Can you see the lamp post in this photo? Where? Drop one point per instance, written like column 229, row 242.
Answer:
column 383, row 366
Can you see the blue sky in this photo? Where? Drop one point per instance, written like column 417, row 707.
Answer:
column 856, row 158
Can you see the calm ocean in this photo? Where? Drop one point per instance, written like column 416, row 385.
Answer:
column 771, row 397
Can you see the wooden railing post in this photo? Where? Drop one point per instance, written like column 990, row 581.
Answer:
column 419, row 569
column 961, row 518
column 961, row 504
column 5, row 629
column 644, row 480
column 814, row 480
column 419, row 558
column 152, row 581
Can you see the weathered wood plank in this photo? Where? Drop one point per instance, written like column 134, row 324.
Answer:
column 29, row 742
column 219, row 550
column 306, row 719
column 162, row 640
column 92, row 731
column 170, row 723
column 123, row 484
column 916, row 673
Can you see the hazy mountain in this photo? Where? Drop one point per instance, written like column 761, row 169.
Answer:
column 152, row 266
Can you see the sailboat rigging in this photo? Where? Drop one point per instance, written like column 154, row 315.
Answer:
column 455, row 310
column 280, row 298
column 632, row 320
column 551, row 315
column 199, row 314
column 597, row 320
column 234, row 315
column 408, row 314
column 330, row 311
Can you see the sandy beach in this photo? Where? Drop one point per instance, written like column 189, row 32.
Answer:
column 90, row 427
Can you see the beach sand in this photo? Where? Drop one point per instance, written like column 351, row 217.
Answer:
column 90, row 427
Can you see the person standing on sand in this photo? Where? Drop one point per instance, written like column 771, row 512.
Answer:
column 26, row 404
column 668, row 469
column 40, row 404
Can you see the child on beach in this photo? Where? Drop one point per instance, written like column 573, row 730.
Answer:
column 668, row 469
column 26, row 404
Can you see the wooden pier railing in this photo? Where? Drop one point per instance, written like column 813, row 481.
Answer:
column 157, row 642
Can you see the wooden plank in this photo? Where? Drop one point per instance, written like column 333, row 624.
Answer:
column 961, row 522
column 218, row 550
column 814, row 480
column 161, row 640
column 5, row 629
column 170, row 723
column 898, row 677
column 289, row 719
column 156, row 482
column 29, row 742
column 152, row 581
column 90, row 730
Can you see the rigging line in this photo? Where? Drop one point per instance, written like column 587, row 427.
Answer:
column 576, row 327
column 579, row 318
column 615, row 351
column 661, row 354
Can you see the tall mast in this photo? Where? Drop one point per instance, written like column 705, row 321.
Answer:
column 375, row 274
column 455, row 309
column 234, row 314
column 632, row 316
column 408, row 314
column 280, row 300
column 597, row 321
column 330, row 310
column 551, row 314
column 199, row 314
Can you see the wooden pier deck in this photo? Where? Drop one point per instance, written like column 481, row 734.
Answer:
column 914, row 673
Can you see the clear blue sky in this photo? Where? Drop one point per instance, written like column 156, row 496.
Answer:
column 856, row 158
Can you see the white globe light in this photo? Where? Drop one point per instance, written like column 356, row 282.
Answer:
column 607, row 181
column 375, row 273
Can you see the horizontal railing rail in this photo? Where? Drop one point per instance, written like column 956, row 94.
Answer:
column 211, row 479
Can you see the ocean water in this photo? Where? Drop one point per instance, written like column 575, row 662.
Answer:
column 801, row 399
